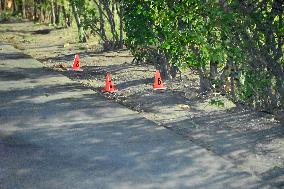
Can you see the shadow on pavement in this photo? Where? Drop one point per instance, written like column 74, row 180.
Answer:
column 56, row 134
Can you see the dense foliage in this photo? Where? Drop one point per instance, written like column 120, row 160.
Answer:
column 236, row 47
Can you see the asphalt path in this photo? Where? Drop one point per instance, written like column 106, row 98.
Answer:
column 57, row 134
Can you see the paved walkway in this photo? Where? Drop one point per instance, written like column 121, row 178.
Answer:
column 55, row 134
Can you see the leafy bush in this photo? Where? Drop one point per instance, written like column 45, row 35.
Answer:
column 230, row 43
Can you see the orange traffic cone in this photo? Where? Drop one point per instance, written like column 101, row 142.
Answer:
column 158, row 84
column 76, row 64
column 109, row 85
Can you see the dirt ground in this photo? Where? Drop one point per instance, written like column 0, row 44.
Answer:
column 253, row 141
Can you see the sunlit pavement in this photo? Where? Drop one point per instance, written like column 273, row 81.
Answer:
column 54, row 133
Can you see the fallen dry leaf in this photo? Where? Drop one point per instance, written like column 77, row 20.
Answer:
column 61, row 66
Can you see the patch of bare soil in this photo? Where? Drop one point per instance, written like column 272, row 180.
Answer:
column 253, row 141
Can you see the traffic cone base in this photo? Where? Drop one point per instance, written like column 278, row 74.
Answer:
column 76, row 64
column 110, row 87
column 110, row 90
column 158, row 83
column 76, row 70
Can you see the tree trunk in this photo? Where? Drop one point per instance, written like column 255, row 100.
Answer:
column 232, row 74
column 164, row 70
column 102, row 22
column 213, row 70
column 82, row 35
column 24, row 9
column 110, row 17
column 280, row 91
column 41, row 17
column 121, row 24
column 46, row 15
column 233, row 91
column 204, row 81
column 281, row 94
column 213, row 74
column 173, row 71
column 70, row 18
column 65, row 16
column 162, row 65
column 36, row 18
column 5, row 3
column 52, row 12
column 57, row 13
column 15, row 7
column 223, row 78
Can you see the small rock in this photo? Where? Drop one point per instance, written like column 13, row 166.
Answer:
column 184, row 106
column 279, row 116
